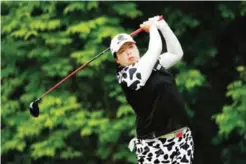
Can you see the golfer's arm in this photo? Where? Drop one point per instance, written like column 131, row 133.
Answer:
column 174, row 50
column 135, row 75
column 147, row 62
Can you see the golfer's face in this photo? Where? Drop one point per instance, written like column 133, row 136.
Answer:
column 127, row 54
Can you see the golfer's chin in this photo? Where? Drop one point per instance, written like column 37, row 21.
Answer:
column 130, row 62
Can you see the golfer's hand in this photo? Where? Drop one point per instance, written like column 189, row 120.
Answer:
column 157, row 19
column 151, row 23
column 161, row 23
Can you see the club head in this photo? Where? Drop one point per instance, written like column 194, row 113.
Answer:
column 34, row 108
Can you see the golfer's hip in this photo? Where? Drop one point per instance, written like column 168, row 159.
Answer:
column 179, row 133
column 176, row 146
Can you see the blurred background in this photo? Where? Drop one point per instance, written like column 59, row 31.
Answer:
column 87, row 119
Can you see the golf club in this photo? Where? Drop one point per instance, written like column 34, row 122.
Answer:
column 34, row 108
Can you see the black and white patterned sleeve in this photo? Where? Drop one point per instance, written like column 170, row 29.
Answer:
column 131, row 77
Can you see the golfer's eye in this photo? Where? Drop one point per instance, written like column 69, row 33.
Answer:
column 121, row 51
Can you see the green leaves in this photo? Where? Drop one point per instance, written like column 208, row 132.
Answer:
column 179, row 21
column 232, row 119
column 69, row 153
column 56, row 39
column 243, row 8
column 8, row 25
column 49, row 146
column 83, row 56
column 189, row 79
column 226, row 12
column 78, row 6
column 60, row 67
column 236, row 90
column 44, row 25
column 126, row 9
column 124, row 110
column 79, row 28
column 234, row 115
column 17, row 144
column 74, row 7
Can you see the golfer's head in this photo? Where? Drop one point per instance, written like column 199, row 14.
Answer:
column 124, row 50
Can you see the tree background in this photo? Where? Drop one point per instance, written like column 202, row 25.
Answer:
column 87, row 119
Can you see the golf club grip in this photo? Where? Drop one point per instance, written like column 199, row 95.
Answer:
column 140, row 29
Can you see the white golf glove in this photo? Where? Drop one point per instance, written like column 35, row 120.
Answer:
column 156, row 20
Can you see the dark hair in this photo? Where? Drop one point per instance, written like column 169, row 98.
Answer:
column 117, row 64
column 115, row 56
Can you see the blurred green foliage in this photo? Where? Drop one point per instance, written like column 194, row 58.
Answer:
column 87, row 118
column 233, row 119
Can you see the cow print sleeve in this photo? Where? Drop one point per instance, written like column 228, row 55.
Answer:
column 131, row 77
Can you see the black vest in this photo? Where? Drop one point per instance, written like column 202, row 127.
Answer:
column 158, row 105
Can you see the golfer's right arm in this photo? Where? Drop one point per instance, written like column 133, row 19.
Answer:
column 147, row 62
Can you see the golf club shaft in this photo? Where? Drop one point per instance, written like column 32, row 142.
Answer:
column 71, row 74
column 84, row 65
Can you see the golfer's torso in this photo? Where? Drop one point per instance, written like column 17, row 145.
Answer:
column 151, row 103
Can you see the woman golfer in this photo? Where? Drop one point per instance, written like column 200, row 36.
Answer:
column 162, row 126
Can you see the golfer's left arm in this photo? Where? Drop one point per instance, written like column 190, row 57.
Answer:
column 174, row 50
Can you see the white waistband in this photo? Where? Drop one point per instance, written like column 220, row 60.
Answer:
column 133, row 141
